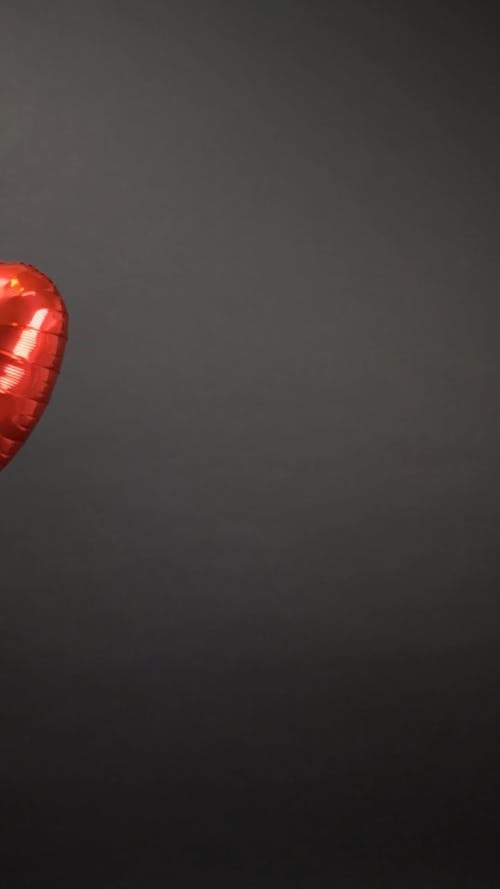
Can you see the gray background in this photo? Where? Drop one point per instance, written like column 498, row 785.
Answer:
column 250, row 556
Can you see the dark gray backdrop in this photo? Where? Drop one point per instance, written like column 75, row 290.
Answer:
column 250, row 556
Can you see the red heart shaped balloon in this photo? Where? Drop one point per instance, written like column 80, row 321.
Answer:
column 33, row 334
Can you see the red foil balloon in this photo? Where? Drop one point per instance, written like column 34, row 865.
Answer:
column 33, row 334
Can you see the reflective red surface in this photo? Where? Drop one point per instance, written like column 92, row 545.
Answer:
column 33, row 334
